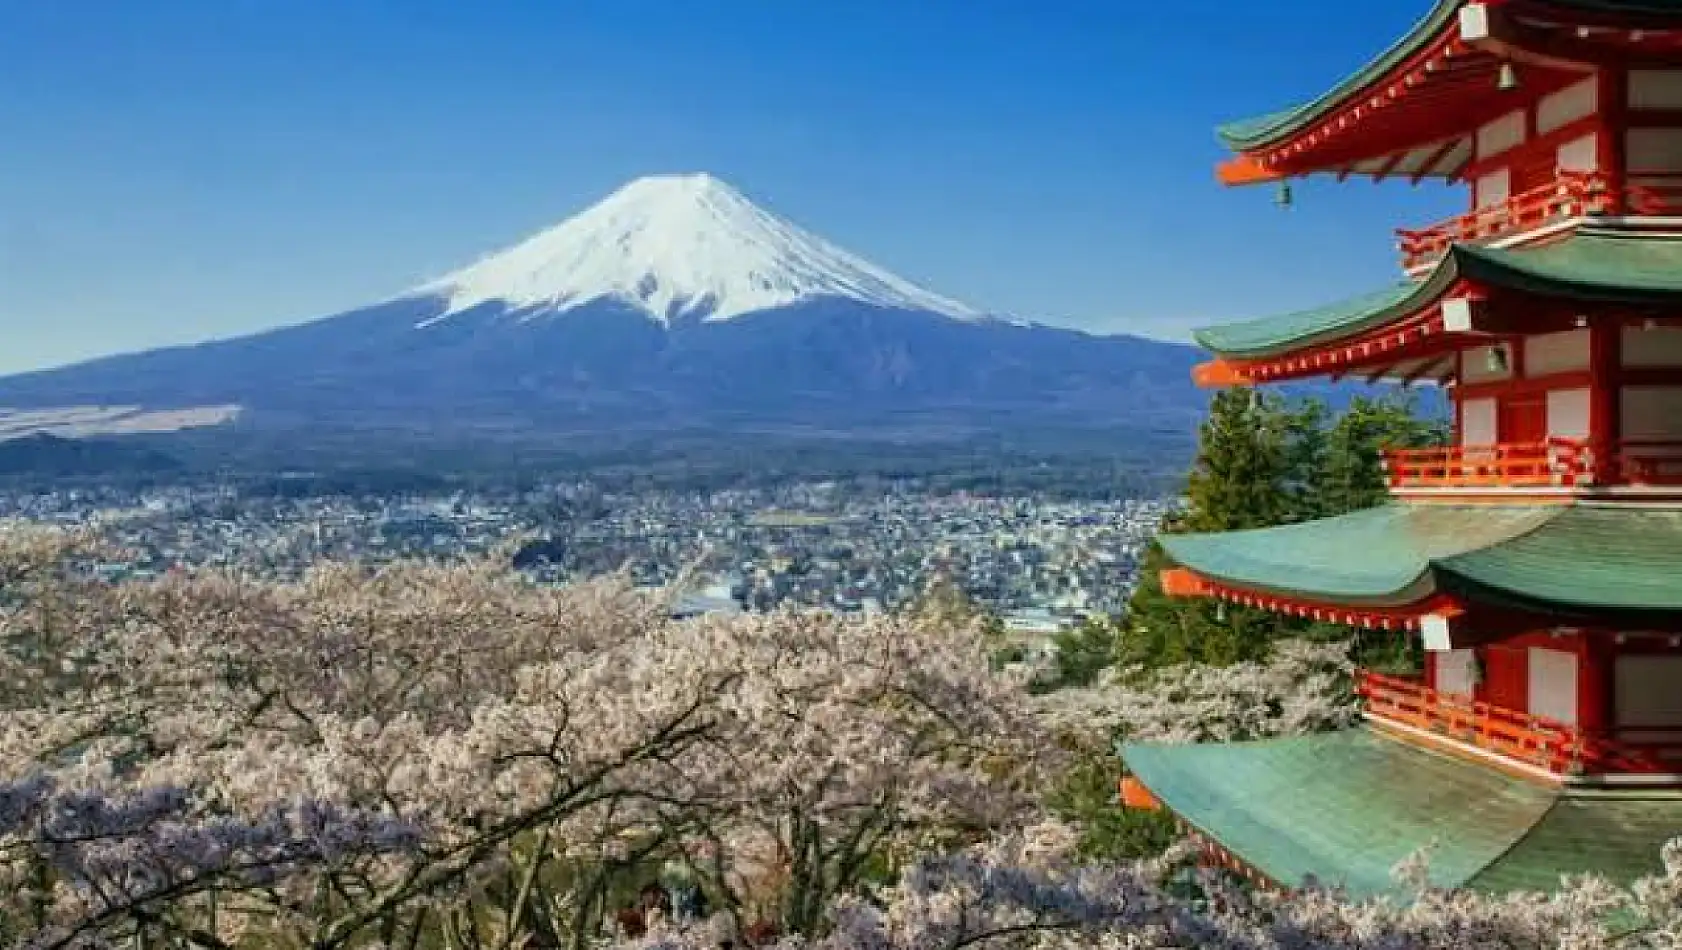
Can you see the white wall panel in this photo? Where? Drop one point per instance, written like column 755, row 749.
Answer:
column 1567, row 105
column 1550, row 353
column 1579, row 155
column 1655, row 89
column 1553, row 685
column 1457, row 672
column 1477, row 422
column 1492, row 188
column 1568, row 413
column 1659, row 346
column 1645, row 691
column 1474, row 367
column 1655, row 150
column 1502, row 134
column 1651, row 413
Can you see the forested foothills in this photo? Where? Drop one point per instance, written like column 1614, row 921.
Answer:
column 448, row 756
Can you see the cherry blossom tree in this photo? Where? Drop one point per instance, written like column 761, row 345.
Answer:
column 446, row 755
column 535, row 747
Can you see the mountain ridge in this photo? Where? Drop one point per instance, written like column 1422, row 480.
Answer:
column 674, row 300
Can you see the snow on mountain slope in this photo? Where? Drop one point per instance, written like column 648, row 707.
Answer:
column 677, row 246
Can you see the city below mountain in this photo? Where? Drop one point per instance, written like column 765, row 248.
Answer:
column 674, row 302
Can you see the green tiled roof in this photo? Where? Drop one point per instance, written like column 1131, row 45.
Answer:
column 1382, row 555
column 1607, row 561
column 1269, row 336
column 1588, row 560
column 1601, row 264
column 1616, row 836
column 1344, row 808
column 1607, row 264
column 1265, row 130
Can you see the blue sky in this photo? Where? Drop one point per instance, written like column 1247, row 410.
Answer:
column 177, row 170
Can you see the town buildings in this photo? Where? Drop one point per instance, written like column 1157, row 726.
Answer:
column 1040, row 564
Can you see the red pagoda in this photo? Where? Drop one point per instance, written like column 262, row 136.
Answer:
column 1538, row 557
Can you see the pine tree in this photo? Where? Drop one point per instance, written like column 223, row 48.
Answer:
column 1351, row 474
column 1255, row 463
column 1238, row 479
column 1352, row 477
column 1264, row 461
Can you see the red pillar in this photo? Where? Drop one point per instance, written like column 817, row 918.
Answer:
column 1606, row 337
column 1613, row 95
column 1596, row 667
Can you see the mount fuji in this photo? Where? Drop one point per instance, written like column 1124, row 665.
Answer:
column 675, row 300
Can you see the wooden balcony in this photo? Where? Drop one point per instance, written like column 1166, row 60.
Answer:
column 1532, row 740
column 1571, row 195
column 1556, row 463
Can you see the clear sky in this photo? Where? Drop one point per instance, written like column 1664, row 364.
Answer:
column 177, row 170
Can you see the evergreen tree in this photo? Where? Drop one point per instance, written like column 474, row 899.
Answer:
column 1264, row 461
column 1351, row 473
column 1255, row 464
column 1085, row 651
column 1239, row 479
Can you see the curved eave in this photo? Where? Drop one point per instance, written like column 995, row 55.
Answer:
column 1282, row 334
column 1411, row 112
column 1595, row 563
column 1380, row 557
column 1329, row 806
column 1435, row 28
column 1602, row 265
column 1345, row 807
column 1262, row 131
column 1599, row 265
column 1408, row 614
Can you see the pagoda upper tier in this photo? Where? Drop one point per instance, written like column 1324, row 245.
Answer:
column 1465, row 82
column 1624, row 278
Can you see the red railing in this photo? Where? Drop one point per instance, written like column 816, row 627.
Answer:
column 1570, row 195
column 1648, row 463
column 1556, row 463
column 1533, row 740
column 1657, row 193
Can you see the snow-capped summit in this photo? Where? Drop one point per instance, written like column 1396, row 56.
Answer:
column 675, row 305
column 677, row 246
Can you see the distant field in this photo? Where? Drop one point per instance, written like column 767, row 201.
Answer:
column 78, row 421
column 789, row 519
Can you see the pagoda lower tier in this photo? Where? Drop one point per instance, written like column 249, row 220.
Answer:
column 1343, row 809
column 1544, row 735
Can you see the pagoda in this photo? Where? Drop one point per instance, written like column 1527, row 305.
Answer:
column 1538, row 557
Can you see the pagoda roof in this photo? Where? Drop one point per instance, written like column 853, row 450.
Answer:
column 1344, row 808
column 1264, row 131
column 1577, row 562
column 1602, row 264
